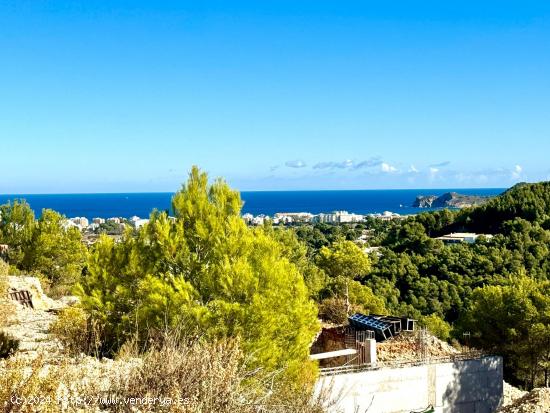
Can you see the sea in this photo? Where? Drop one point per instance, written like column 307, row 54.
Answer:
column 255, row 202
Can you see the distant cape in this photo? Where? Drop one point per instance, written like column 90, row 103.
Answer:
column 449, row 200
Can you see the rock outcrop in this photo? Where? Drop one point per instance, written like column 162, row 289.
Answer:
column 449, row 200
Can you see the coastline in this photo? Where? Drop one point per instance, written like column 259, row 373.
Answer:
column 254, row 202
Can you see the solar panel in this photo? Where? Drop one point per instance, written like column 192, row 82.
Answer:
column 381, row 328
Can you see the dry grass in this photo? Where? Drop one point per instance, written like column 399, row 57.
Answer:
column 178, row 376
column 211, row 377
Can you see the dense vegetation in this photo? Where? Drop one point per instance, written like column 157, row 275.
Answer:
column 44, row 247
column 496, row 289
column 206, row 271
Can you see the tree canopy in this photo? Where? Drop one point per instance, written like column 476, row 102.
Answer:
column 44, row 247
column 207, row 270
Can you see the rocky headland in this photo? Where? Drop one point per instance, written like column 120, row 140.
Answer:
column 449, row 200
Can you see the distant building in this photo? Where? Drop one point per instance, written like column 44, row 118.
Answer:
column 339, row 217
column 98, row 220
column 259, row 220
column 460, row 237
column 290, row 217
column 93, row 226
column 387, row 216
column 81, row 222
column 76, row 222
column 139, row 223
column 114, row 220
column 248, row 218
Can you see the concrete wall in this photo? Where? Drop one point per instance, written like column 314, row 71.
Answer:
column 469, row 386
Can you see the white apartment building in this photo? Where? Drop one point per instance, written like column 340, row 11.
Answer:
column 80, row 222
column 248, row 218
column 289, row 217
column 138, row 223
column 339, row 217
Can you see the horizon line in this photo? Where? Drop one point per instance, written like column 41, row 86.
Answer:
column 254, row 190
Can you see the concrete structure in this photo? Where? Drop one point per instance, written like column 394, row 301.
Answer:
column 459, row 237
column 98, row 220
column 369, row 351
column 466, row 386
column 331, row 354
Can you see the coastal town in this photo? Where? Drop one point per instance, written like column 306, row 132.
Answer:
column 115, row 226
column 280, row 218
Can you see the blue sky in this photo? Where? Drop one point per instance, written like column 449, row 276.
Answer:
column 107, row 96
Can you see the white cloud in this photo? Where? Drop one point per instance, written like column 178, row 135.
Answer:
column 433, row 170
column 295, row 164
column 413, row 169
column 348, row 163
column 386, row 167
column 517, row 172
column 369, row 163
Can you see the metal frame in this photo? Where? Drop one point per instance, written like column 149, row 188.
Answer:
column 23, row 297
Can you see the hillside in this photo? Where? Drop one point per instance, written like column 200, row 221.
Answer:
column 527, row 201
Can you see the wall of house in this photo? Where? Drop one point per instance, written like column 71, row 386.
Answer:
column 469, row 386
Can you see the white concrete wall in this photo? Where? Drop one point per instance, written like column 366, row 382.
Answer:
column 470, row 386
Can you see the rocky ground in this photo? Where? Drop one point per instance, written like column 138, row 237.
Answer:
column 31, row 325
column 408, row 347
column 511, row 394
column 39, row 361
column 536, row 401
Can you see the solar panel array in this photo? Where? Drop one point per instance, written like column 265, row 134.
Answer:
column 383, row 327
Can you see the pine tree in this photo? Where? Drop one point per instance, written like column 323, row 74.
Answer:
column 207, row 270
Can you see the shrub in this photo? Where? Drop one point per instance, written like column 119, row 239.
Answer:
column 333, row 310
column 437, row 326
column 4, row 267
column 75, row 332
column 8, row 345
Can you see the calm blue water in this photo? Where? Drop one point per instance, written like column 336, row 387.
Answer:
column 269, row 202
